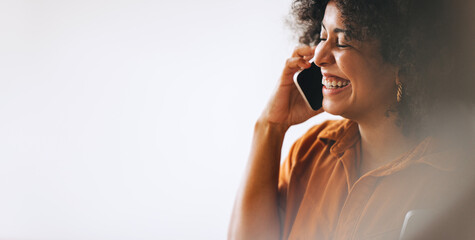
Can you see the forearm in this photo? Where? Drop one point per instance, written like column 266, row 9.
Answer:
column 255, row 214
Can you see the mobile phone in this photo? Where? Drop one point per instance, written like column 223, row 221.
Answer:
column 309, row 84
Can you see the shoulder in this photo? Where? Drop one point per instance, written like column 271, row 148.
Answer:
column 315, row 147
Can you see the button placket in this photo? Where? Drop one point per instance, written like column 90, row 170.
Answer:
column 353, row 208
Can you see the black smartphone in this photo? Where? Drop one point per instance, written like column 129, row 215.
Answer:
column 309, row 84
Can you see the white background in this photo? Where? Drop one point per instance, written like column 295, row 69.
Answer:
column 132, row 119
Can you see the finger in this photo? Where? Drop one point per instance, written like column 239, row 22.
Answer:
column 295, row 64
column 307, row 58
column 303, row 50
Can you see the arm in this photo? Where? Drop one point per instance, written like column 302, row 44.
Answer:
column 255, row 214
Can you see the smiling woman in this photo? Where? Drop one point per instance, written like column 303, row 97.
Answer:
column 405, row 143
column 356, row 62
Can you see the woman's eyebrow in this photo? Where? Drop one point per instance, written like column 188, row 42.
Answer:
column 339, row 30
column 336, row 30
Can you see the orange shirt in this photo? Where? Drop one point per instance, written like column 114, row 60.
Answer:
column 321, row 196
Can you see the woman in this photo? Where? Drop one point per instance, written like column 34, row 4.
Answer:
column 401, row 146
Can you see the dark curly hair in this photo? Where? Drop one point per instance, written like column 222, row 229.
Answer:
column 430, row 41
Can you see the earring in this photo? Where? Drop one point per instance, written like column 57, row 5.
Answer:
column 399, row 91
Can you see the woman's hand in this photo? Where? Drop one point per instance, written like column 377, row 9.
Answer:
column 287, row 107
column 256, row 210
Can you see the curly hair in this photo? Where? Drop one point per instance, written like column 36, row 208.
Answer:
column 431, row 43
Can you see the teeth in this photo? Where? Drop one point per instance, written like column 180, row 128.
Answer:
column 334, row 84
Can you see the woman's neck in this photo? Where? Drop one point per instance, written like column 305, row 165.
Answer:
column 381, row 142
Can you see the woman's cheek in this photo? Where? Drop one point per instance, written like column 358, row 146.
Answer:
column 346, row 63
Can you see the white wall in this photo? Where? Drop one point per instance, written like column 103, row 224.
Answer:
column 131, row 119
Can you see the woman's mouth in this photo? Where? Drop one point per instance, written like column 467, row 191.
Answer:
column 333, row 86
column 333, row 83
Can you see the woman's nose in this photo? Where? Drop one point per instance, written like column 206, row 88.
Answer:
column 323, row 54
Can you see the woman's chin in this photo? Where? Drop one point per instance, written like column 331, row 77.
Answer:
column 333, row 108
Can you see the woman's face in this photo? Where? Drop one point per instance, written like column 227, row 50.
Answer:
column 364, row 85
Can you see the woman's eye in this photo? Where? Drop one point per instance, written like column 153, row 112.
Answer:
column 342, row 45
column 321, row 39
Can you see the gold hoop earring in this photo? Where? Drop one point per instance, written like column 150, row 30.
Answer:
column 399, row 91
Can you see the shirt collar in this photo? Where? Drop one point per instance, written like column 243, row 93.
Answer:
column 428, row 151
column 344, row 136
